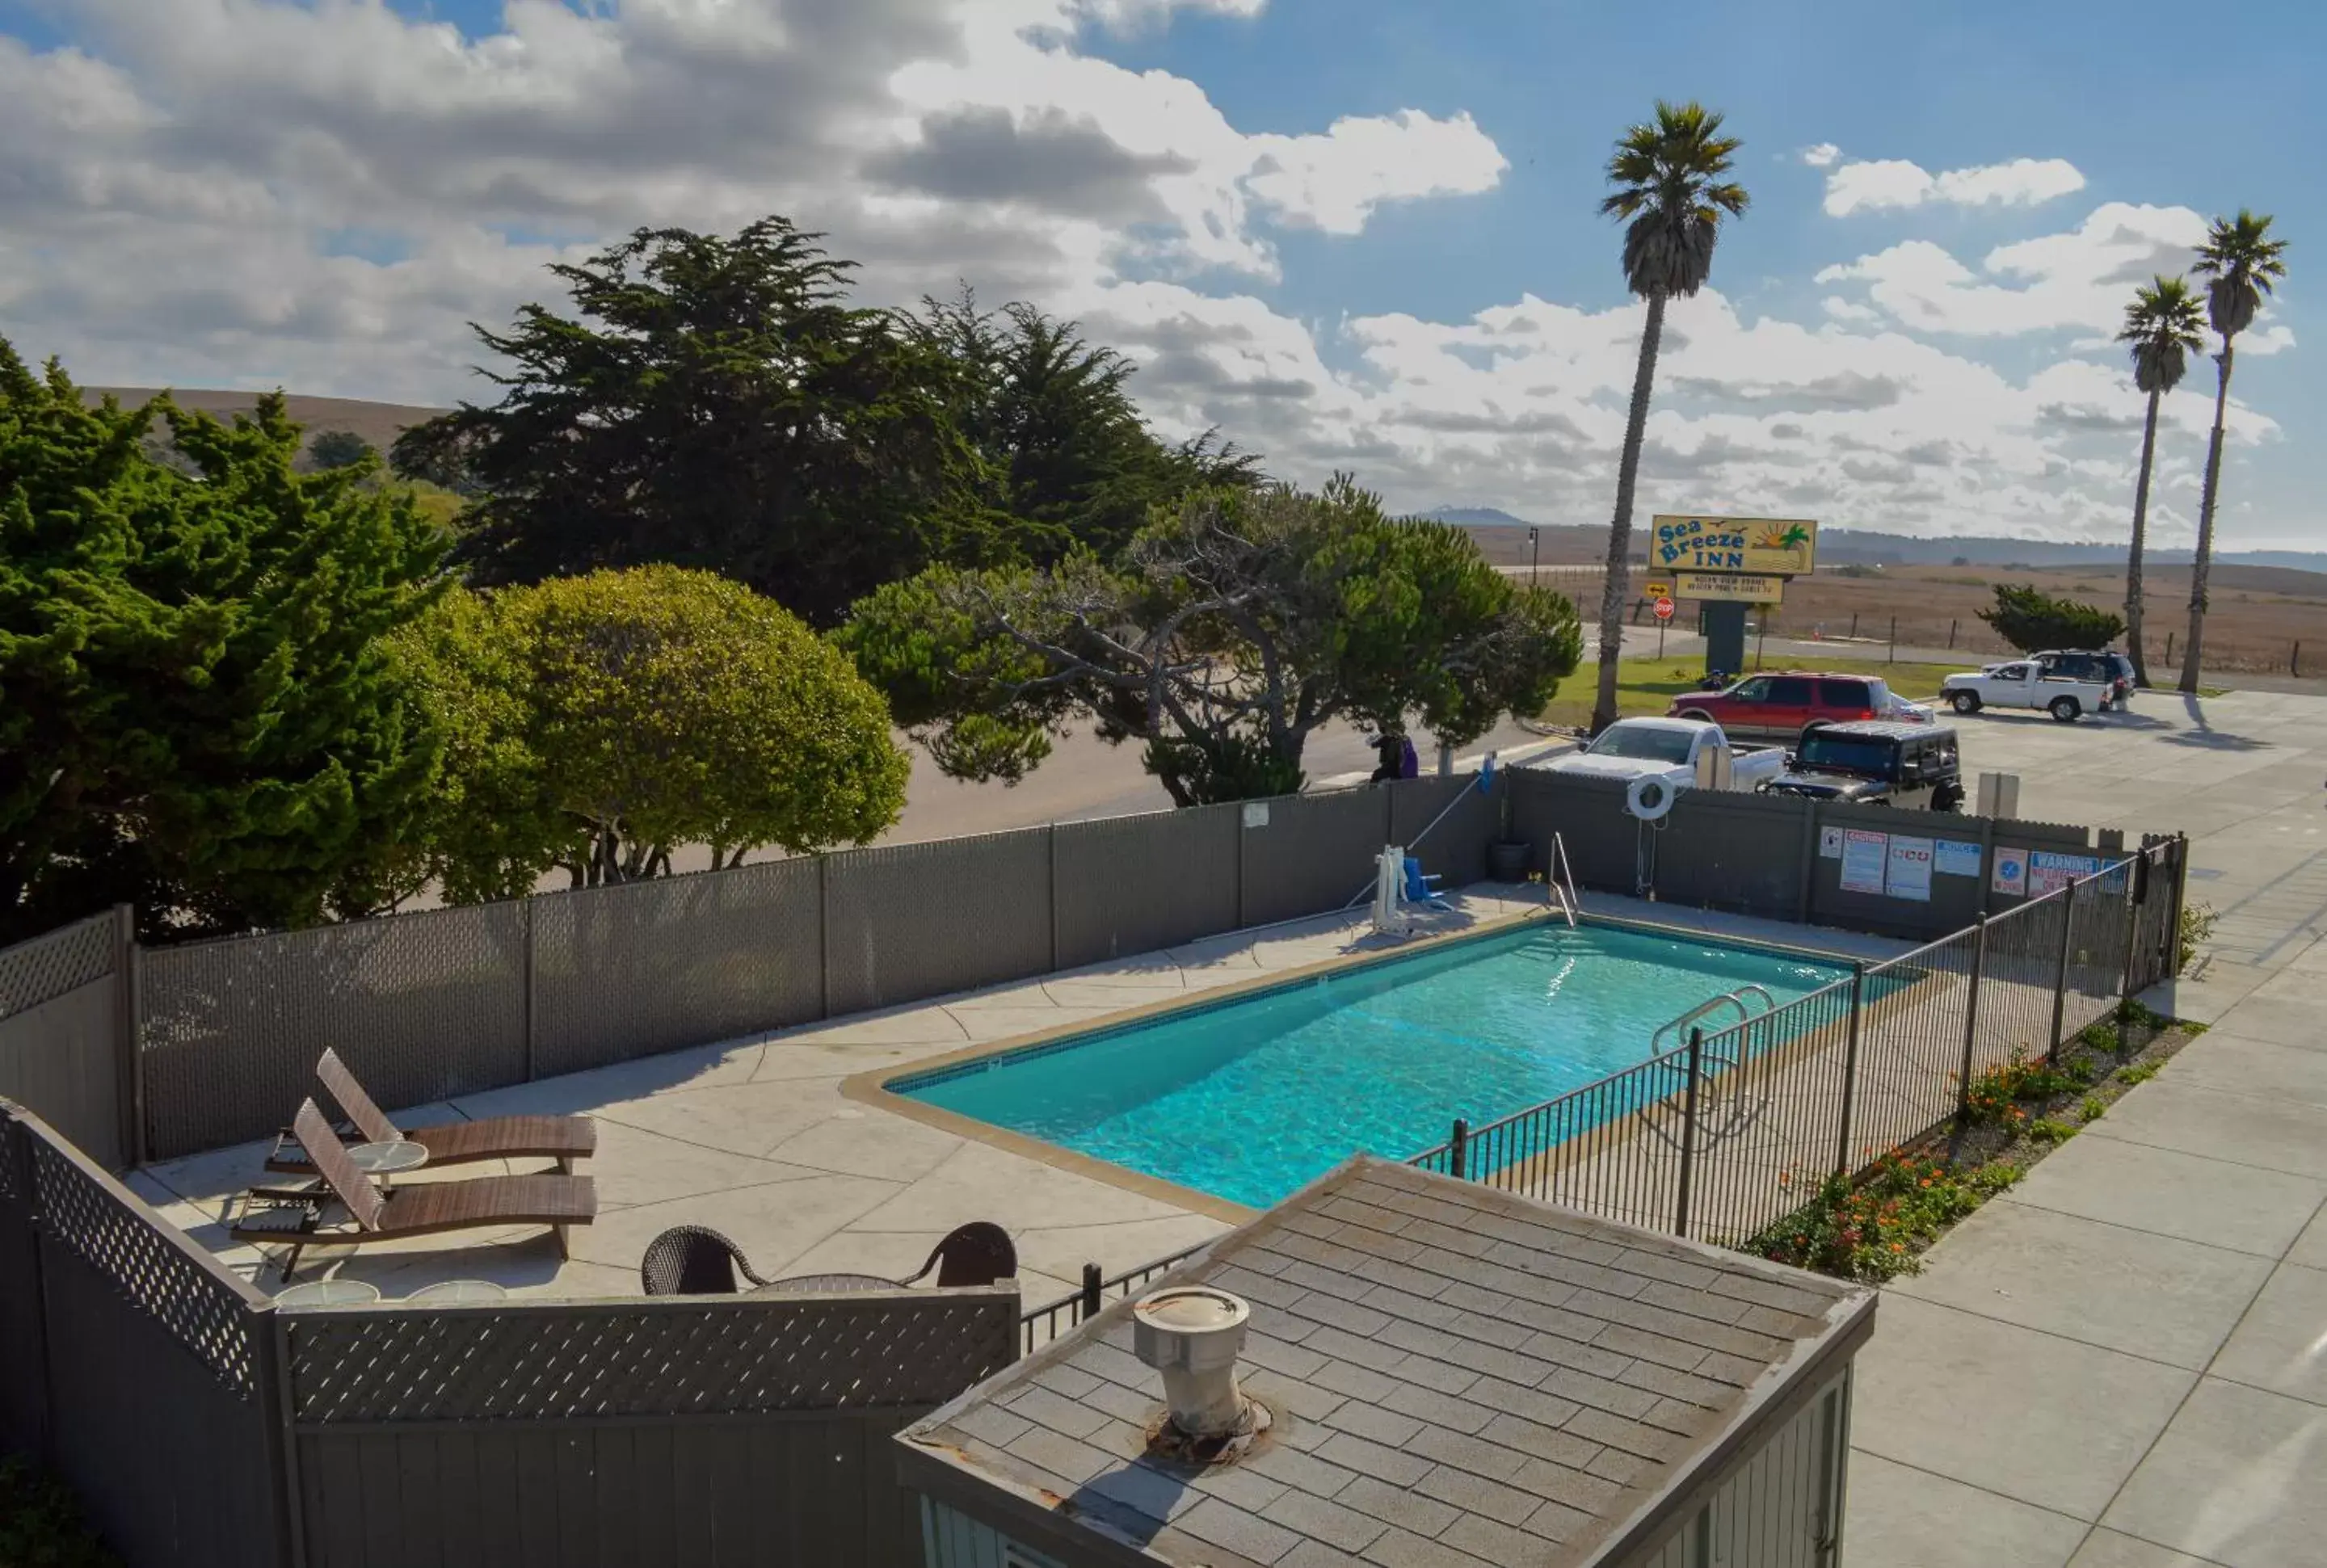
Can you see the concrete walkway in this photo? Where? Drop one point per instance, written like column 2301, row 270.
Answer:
column 2123, row 1363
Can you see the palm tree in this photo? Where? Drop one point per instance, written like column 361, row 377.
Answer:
column 2162, row 325
column 2240, row 262
column 1667, row 178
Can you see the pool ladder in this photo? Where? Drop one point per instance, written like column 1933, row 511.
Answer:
column 1561, row 883
column 1737, row 1000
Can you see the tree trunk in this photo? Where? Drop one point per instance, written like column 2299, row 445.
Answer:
column 2203, row 560
column 2132, row 561
column 1613, row 590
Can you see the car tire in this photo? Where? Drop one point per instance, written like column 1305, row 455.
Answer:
column 1963, row 702
column 2065, row 709
column 1699, row 714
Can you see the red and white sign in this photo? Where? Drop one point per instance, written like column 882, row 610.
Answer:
column 1664, row 610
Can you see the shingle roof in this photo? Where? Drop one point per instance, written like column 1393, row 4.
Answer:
column 1458, row 1377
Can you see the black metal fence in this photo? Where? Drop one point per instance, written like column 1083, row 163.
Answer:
column 1047, row 1322
column 1720, row 1138
column 201, row 1424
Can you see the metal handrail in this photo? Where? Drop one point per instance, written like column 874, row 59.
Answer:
column 1563, row 879
column 1703, row 1008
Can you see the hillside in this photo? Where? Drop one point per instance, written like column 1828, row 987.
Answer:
column 378, row 423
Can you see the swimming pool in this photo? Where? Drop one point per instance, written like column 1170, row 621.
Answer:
column 1251, row 1097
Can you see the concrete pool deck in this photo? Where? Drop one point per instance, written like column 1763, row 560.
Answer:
column 757, row 1139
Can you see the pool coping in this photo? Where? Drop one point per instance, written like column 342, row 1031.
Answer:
column 871, row 1087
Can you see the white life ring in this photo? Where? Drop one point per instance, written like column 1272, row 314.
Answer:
column 1650, row 798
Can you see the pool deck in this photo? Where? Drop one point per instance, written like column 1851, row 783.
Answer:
column 756, row 1138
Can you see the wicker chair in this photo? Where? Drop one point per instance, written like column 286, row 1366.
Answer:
column 692, row 1260
column 978, row 1253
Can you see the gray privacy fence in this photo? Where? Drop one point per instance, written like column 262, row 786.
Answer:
column 64, row 1032
column 1914, row 874
column 1723, row 1136
column 201, row 1425
column 449, row 1002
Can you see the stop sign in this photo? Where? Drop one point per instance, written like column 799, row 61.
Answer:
column 1664, row 610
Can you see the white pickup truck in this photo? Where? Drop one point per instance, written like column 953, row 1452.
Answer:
column 1688, row 752
column 2023, row 684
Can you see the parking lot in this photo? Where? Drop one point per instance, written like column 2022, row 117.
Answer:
column 2122, row 1363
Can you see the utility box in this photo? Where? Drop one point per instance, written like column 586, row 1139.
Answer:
column 1999, row 794
column 1434, row 1372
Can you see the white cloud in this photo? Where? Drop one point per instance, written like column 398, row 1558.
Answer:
column 2077, row 279
column 323, row 197
column 1821, row 155
column 1335, row 181
column 1890, row 183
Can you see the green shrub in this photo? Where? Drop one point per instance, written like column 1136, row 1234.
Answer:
column 1993, row 1097
column 41, row 1525
column 2138, row 1074
column 1875, row 1229
column 2198, row 923
column 2094, row 1108
column 2051, row 1130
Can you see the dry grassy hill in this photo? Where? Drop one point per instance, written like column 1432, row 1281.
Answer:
column 378, row 423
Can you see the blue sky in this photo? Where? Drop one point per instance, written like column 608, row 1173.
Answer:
column 1317, row 223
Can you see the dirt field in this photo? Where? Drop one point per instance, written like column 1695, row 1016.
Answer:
column 2265, row 619
column 378, row 423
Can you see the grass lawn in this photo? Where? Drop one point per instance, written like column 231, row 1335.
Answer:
column 1648, row 685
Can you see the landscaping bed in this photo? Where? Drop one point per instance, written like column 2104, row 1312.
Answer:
column 1878, row 1224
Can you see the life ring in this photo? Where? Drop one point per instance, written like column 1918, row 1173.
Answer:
column 1650, row 798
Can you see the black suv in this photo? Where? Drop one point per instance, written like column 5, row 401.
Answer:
column 1874, row 763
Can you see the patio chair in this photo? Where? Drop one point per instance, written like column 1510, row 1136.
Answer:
column 416, row 1208
column 978, row 1253
column 564, row 1139
column 692, row 1260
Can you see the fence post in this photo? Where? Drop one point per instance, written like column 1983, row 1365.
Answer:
column 2181, row 891
column 1850, row 1068
column 1951, row 634
column 1091, row 1286
column 1688, row 1129
column 1458, row 1150
column 525, row 918
column 2137, row 882
column 2061, row 975
column 1971, row 1020
column 276, row 1396
column 824, row 936
column 129, row 1085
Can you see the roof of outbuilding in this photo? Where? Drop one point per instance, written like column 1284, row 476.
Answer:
column 1458, row 1377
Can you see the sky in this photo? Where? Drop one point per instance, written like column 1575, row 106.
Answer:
column 1352, row 235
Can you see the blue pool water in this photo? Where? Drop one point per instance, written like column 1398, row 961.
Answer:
column 1251, row 1099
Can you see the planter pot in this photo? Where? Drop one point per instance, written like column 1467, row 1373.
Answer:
column 1506, row 863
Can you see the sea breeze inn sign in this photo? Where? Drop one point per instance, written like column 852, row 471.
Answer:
column 1763, row 544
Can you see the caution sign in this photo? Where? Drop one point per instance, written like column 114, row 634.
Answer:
column 1658, row 588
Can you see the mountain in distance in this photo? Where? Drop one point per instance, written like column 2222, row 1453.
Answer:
column 1844, row 546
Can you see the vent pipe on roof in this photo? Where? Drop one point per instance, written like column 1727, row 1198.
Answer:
column 1191, row 1334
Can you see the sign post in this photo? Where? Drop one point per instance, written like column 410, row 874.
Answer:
column 1535, row 572
column 1664, row 619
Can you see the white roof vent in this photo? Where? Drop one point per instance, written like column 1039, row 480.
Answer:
column 1191, row 1334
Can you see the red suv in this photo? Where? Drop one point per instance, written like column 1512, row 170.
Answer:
column 1781, row 707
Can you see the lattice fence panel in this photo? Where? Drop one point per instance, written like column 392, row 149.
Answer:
column 204, row 1310
column 577, row 1359
column 46, row 967
column 422, row 1006
column 625, row 972
column 912, row 920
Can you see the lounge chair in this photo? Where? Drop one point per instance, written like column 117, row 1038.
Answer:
column 416, row 1208
column 564, row 1139
column 978, row 1253
column 692, row 1260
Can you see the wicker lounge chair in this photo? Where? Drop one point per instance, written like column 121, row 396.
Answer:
column 978, row 1253
column 564, row 1139
column 416, row 1208
column 692, row 1260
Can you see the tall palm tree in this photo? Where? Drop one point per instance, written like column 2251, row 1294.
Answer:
column 2240, row 262
column 2162, row 325
column 1669, row 186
